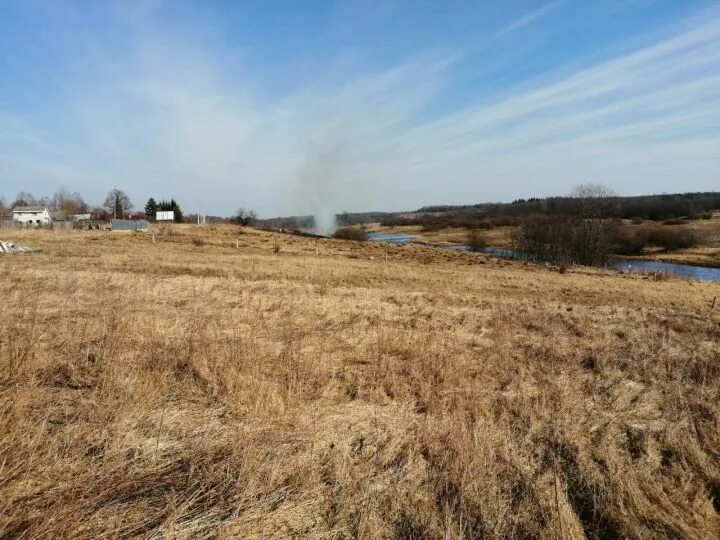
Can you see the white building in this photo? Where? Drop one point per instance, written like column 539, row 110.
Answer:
column 32, row 215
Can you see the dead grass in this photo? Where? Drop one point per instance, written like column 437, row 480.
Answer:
column 189, row 389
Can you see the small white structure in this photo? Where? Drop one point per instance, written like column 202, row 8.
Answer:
column 32, row 215
column 167, row 215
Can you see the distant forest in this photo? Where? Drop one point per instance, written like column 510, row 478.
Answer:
column 487, row 215
column 654, row 207
column 308, row 222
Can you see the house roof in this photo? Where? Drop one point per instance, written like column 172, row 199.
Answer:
column 29, row 208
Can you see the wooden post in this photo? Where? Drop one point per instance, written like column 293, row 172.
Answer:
column 237, row 243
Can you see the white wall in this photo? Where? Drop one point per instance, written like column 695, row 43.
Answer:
column 33, row 217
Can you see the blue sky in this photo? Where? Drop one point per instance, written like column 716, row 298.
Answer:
column 309, row 106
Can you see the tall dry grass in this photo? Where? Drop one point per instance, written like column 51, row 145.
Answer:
column 188, row 389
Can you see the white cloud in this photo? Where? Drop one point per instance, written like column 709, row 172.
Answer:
column 528, row 18
column 163, row 124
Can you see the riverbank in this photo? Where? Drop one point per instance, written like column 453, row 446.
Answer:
column 707, row 254
column 621, row 264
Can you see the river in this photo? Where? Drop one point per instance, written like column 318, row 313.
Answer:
column 702, row 273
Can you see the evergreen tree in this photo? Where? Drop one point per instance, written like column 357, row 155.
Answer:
column 166, row 206
column 151, row 209
column 175, row 207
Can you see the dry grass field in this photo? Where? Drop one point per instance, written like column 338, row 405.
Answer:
column 329, row 389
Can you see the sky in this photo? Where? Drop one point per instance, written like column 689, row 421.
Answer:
column 308, row 106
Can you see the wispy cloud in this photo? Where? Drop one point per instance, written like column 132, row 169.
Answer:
column 670, row 78
column 528, row 18
column 158, row 123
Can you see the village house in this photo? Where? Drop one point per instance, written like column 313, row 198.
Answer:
column 32, row 215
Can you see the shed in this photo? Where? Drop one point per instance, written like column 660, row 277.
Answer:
column 129, row 225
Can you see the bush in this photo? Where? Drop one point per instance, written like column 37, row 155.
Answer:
column 475, row 241
column 672, row 239
column 350, row 233
column 675, row 221
column 506, row 221
column 433, row 226
column 629, row 242
column 244, row 217
column 485, row 225
column 632, row 242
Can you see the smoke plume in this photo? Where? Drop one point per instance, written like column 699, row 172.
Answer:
column 319, row 186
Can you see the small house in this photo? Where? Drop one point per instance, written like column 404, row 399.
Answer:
column 32, row 215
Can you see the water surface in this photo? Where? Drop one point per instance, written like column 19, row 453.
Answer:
column 392, row 238
column 702, row 273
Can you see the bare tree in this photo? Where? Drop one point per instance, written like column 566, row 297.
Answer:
column 594, row 200
column 117, row 202
column 244, row 217
column 69, row 203
column 344, row 219
column 582, row 234
column 25, row 199
column 475, row 241
column 593, row 209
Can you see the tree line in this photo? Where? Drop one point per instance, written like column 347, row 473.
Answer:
column 152, row 207
column 61, row 201
column 653, row 207
column 343, row 219
column 67, row 203
column 116, row 205
column 589, row 230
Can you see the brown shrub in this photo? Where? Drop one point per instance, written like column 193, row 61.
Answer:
column 351, row 233
column 672, row 238
column 475, row 241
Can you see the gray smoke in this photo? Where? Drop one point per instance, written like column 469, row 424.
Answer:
column 319, row 186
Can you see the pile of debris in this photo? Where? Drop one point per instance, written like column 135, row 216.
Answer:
column 12, row 247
